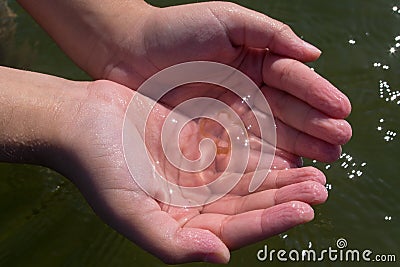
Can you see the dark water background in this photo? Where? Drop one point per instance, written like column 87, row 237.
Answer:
column 44, row 221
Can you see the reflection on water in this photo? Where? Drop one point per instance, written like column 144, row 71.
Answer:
column 388, row 135
column 45, row 219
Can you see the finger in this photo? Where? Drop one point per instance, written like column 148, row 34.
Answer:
column 300, row 81
column 308, row 191
column 281, row 160
column 298, row 114
column 242, row 229
column 304, row 145
column 280, row 178
column 253, row 29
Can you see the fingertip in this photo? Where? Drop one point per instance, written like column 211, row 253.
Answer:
column 284, row 216
column 201, row 245
column 344, row 132
column 346, row 104
column 220, row 257
column 320, row 194
column 310, row 192
column 303, row 210
column 340, row 107
column 333, row 154
column 296, row 49
column 310, row 52
column 327, row 152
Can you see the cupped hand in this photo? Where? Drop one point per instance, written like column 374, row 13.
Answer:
column 309, row 111
column 93, row 159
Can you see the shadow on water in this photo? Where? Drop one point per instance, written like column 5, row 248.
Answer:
column 45, row 221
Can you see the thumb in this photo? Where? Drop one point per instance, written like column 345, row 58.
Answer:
column 165, row 238
column 143, row 222
column 246, row 27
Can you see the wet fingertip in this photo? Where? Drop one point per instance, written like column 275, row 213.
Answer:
column 330, row 153
column 345, row 105
column 344, row 133
column 320, row 194
column 221, row 257
column 315, row 175
column 304, row 211
column 313, row 51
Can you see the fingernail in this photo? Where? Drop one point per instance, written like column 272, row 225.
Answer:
column 311, row 48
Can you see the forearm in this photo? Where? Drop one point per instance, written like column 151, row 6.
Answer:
column 87, row 30
column 29, row 105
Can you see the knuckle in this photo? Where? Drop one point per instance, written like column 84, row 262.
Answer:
column 284, row 29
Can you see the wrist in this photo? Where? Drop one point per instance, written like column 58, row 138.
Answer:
column 119, row 36
column 30, row 110
column 88, row 31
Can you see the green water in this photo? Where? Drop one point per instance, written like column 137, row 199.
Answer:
column 44, row 221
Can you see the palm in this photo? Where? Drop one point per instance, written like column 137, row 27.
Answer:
column 285, row 173
column 178, row 234
column 308, row 112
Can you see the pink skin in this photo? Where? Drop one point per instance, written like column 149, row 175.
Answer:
column 310, row 110
column 128, row 49
column 175, row 234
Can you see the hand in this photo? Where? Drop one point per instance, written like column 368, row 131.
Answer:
column 93, row 159
column 309, row 110
column 128, row 41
